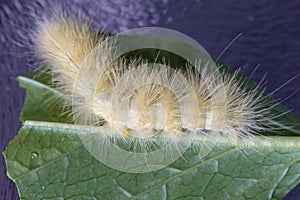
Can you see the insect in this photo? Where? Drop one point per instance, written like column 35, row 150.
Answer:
column 141, row 100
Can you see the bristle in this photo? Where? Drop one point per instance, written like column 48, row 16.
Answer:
column 243, row 115
column 63, row 43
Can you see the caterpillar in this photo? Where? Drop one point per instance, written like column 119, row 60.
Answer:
column 139, row 99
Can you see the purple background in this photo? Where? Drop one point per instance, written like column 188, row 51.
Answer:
column 270, row 37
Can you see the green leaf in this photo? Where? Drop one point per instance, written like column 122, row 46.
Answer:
column 47, row 159
column 42, row 103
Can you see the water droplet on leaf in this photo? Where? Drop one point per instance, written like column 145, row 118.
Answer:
column 34, row 155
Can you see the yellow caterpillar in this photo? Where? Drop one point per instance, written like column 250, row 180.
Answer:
column 138, row 99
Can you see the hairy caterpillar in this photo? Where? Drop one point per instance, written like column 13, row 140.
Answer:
column 141, row 100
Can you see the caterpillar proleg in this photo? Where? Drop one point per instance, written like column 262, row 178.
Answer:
column 139, row 99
